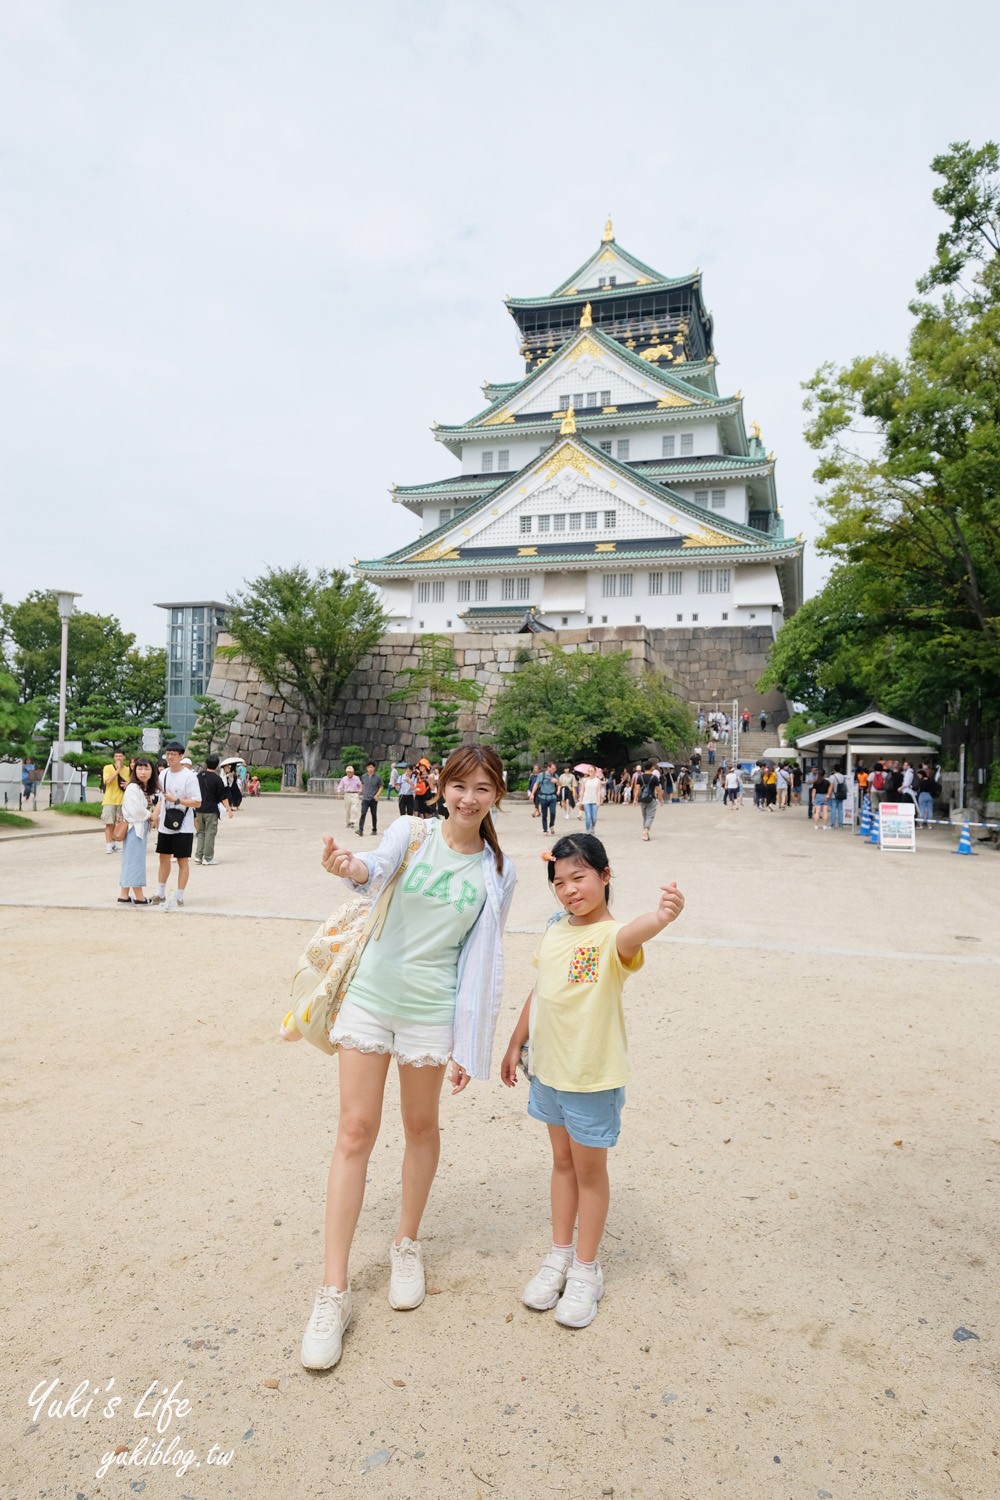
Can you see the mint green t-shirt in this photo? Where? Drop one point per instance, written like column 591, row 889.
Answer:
column 411, row 972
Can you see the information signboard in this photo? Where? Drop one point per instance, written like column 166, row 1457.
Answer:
column 897, row 826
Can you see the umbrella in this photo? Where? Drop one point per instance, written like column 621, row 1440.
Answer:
column 665, row 765
column 584, row 769
column 233, row 760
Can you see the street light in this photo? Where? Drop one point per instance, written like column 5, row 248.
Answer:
column 64, row 603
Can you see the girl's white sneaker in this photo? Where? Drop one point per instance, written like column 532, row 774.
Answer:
column 578, row 1304
column 545, row 1288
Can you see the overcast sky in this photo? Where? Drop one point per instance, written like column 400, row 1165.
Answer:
column 250, row 251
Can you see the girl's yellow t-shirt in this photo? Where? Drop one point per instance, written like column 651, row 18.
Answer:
column 577, row 1023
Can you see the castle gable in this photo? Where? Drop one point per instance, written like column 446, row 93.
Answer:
column 573, row 500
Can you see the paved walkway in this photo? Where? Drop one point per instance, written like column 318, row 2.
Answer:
column 753, row 880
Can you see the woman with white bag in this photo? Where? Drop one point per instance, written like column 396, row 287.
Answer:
column 427, row 993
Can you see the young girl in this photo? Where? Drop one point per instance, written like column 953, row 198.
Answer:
column 579, row 1063
column 426, row 993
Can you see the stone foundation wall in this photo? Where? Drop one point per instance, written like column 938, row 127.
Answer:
column 705, row 667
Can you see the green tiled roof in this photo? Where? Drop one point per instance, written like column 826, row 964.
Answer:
column 456, row 485
column 741, row 535
column 667, row 379
column 765, row 549
column 626, row 255
column 706, row 464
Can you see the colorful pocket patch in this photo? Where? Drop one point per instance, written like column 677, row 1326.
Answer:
column 583, row 965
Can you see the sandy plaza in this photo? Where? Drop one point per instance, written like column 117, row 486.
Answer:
column 802, row 1297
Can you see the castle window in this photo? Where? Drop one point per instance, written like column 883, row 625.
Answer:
column 616, row 585
column 701, row 497
column 423, row 593
column 656, row 583
column 564, row 401
column 706, row 580
column 443, row 516
column 621, row 452
column 575, row 520
column 437, row 592
column 605, row 398
column 679, row 618
column 591, row 398
column 543, row 523
column 559, row 523
column 694, row 619
column 718, row 499
column 724, row 615
column 482, row 590
column 669, row 444
column 590, row 520
column 464, row 590
column 578, row 400
column 610, row 520
column 525, row 525
column 722, row 581
column 687, row 443
column 524, row 588
column 506, row 588
column 487, row 463
column 565, row 619
column 674, row 582
column 606, row 445
column 503, row 458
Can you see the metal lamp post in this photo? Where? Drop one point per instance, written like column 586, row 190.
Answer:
column 64, row 603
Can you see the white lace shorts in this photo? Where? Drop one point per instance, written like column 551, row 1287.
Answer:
column 411, row 1043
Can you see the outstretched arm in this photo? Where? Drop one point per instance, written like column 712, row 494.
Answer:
column 337, row 860
column 632, row 936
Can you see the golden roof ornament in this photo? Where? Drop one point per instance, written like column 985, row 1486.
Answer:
column 586, row 320
column 608, row 234
column 568, row 427
column 755, row 430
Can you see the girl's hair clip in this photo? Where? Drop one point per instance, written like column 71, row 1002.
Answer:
column 547, row 855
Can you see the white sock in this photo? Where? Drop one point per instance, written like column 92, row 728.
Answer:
column 180, row 898
column 584, row 1265
column 161, row 890
column 563, row 1250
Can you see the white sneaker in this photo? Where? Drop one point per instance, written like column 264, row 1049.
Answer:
column 110, row 848
column 209, row 861
column 323, row 1339
column 577, row 1307
column 544, row 1289
column 406, row 1278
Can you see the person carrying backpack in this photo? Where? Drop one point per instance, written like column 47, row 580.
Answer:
column 543, row 794
column 649, row 793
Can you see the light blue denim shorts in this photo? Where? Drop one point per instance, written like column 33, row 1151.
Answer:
column 589, row 1119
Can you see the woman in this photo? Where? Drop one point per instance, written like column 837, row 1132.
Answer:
column 590, row 796
column 567, row 791
column 427, row 993
column 140, row 805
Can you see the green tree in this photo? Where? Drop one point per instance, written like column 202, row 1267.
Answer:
column 910, row 463
column 106, row 674
column 17, row 721
column 571, row 704
column 305, row 636
column 436, row 681
column 211, row 727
